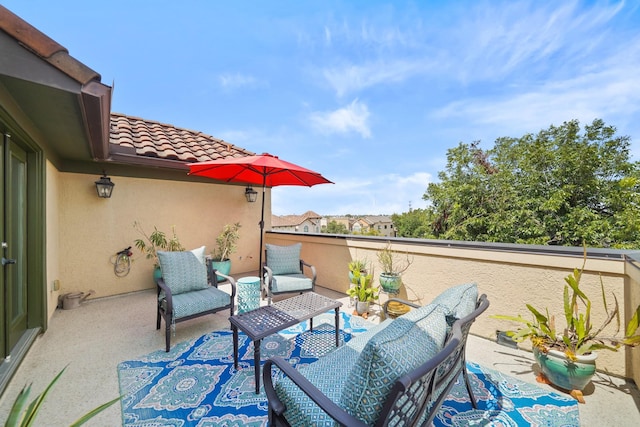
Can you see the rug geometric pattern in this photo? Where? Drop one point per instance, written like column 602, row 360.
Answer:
column 195, row 384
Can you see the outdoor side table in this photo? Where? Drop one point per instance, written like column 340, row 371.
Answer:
column 248, row 293
column 269, row 319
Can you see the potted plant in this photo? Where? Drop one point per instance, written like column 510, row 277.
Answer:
column 226, row 244
column 567, row 355
column 359, row 265
column 393, row 265
column 150, row 244
column 363, row 292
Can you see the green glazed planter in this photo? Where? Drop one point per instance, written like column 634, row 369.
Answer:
column 390, row 283
column 223, row 267
column 157, row 273
column 565, row 373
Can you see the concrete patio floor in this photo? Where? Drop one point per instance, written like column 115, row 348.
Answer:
column 92, row 339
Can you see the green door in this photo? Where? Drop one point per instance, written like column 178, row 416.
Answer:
column 14, row 246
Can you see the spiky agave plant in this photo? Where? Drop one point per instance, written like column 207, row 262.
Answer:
column 22, row 415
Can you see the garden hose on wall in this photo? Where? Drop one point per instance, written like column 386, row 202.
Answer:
column 122, row 262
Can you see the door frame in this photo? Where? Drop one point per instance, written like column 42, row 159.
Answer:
column 37, row 318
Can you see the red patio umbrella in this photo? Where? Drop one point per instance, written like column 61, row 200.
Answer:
column 264, row 169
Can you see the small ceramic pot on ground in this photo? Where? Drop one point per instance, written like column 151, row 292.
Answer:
column 362, row 307
column 565, row 373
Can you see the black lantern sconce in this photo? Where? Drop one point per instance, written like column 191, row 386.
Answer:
column 250, row 194
column 104, row 186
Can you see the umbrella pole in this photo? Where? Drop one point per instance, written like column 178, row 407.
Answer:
column 260, row 272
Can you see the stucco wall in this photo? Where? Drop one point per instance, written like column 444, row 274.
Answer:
column 52, row 236
column 85, row 232
column 509, row 278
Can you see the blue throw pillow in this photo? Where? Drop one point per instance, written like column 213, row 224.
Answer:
column 284, row 259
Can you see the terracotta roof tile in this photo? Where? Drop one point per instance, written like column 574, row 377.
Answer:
column 165, row 141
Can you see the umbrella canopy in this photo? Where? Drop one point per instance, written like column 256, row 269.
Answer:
column 265, row 170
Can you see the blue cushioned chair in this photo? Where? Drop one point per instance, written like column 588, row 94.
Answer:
column 188, row 289
column 284, row 271
column 399, row 377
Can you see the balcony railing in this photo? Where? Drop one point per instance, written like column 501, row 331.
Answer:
column 511, row 275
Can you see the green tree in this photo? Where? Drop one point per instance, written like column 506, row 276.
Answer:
column 334, row 227
column 414, row 223
column 561, row 186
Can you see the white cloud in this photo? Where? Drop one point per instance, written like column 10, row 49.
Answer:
column 352, row 118
column 355, row 78
column 233, row 81
column 612, row 93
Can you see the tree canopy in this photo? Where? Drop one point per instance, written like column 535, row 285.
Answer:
column 334, row 227
column 561, row 186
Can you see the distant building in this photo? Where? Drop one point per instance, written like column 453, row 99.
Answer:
column 382, row 224
column 308, row 222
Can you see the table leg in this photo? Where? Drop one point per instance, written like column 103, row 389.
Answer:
column 337, row 327
column 256, row 363
column 234, row 328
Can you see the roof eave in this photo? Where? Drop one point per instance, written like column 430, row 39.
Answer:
column 96, row 107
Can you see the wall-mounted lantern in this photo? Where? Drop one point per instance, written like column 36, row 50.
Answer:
column 104, row 186
column 250, row 194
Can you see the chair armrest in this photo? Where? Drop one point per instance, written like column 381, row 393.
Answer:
column 167, row 294
column 269, row 273
column 313, row 269
column 230, row 279
column 328, row 406
column 400, row 300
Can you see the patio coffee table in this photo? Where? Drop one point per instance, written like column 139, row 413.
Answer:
column 267, row 320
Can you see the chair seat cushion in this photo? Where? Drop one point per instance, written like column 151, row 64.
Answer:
column 182, row 271
column 393, row 352
column 284, row 259
column 328, row 374
column 189, row 303
column 291, row 283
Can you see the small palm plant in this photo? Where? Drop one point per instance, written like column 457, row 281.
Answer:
column 156, row 241
column 226, row 242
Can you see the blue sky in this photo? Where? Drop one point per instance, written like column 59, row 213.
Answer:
column 371, row 94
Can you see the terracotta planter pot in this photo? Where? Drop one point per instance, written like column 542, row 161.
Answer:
column 565, row 373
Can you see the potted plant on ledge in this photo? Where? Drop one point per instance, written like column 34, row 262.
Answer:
column 393, row 265
column 226, row 244
column 566, row 355
column 363, row 292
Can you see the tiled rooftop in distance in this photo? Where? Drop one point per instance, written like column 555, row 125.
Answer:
column 164, row 141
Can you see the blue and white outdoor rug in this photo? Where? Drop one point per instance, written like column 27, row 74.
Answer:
column 195, row 384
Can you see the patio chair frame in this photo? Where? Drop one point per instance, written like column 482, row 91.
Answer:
column 417, row 388
column 167, row 313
